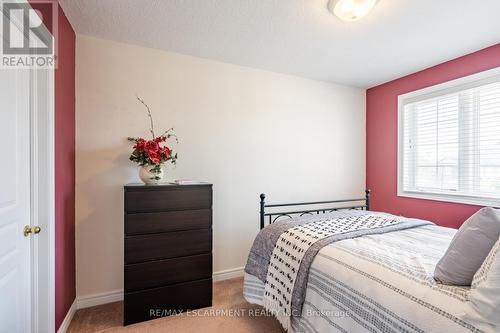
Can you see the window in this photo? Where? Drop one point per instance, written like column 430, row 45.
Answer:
column 449, row 141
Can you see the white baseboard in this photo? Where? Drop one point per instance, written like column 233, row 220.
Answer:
column 99, row 298
column 117, row 295
column 69, row 316
column 228, row 274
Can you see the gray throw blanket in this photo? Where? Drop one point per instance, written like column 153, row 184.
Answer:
column 260, row 255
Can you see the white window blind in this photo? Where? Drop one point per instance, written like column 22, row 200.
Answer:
column 450, row 143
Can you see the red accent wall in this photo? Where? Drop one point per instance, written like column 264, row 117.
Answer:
column 381, row 139
column 65, row 169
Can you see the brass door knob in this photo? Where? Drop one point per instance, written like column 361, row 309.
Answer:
column 31, row 230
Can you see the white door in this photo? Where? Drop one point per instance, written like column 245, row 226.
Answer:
column 15, row 259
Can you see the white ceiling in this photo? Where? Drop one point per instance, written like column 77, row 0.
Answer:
column 299, row 37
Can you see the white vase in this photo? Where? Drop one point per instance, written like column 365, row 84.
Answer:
column 149, row 176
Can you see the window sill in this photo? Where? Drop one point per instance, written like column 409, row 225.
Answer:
column 463, row 199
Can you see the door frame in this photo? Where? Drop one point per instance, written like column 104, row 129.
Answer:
column 42, row 123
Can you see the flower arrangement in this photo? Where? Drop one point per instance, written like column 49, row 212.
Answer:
column 152, row 154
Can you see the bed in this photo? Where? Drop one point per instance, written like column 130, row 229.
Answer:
column 379, row 281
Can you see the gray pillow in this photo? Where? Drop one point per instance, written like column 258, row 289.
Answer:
column 468, row 249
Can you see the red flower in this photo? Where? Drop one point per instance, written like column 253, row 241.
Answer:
column 153, row 157
column 152, row 147
column 140, row 145
column 165, row 153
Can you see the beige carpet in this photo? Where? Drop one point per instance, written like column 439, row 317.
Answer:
column 229, row 313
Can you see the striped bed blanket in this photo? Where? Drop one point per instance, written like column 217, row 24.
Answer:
column 373, row 282
column 292, row 254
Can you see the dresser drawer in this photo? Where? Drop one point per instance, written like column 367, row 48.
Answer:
column 164, row 199
column 158, row 302
column 170, row 271
column 145, row 223
column 167, row 245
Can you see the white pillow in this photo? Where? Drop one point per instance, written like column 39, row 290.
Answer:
column 483, row 304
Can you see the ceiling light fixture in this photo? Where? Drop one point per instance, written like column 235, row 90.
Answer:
column 351, row 10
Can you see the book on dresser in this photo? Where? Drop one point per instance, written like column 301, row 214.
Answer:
column 167, row 250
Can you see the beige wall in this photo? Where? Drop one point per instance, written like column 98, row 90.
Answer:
column 246, row 131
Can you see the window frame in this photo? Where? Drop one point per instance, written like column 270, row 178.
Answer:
column 449, row 87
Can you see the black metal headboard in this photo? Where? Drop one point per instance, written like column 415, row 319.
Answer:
column 277, row 215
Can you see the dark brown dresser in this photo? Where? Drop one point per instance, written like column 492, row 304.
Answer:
column 168, row 250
